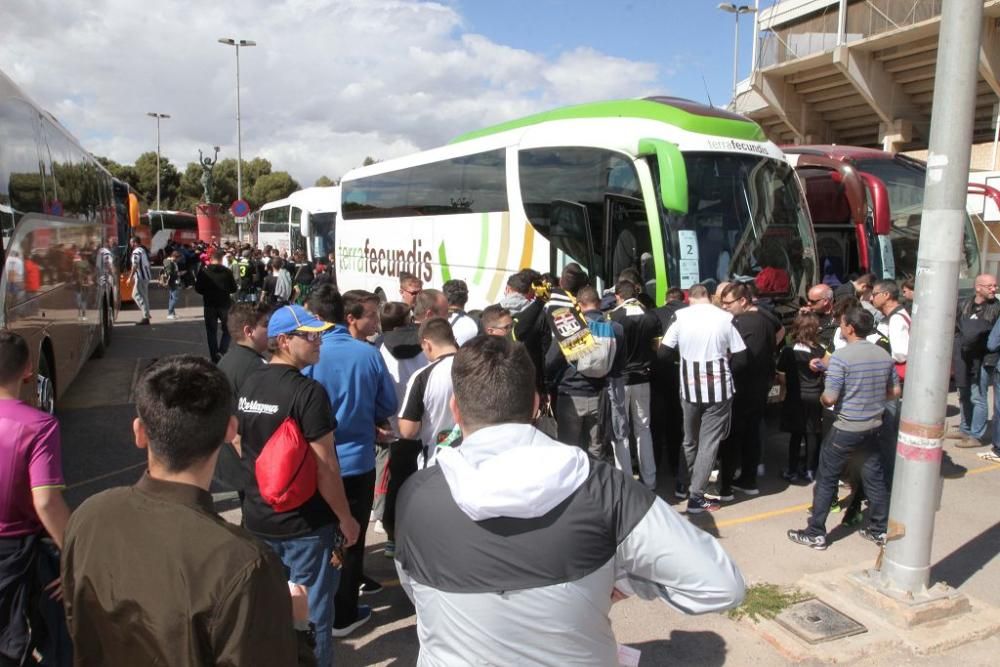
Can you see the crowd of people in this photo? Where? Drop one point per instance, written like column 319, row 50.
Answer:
column 512, row 456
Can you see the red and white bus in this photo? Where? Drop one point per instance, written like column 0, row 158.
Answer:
column 866, row 208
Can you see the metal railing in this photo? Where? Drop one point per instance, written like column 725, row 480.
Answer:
column 817, row 32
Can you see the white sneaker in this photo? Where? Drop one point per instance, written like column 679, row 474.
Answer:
column 378, row 528
column 171, row 317
column 760, row 470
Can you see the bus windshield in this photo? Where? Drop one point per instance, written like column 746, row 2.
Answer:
column 905, row 182
column 746, row 220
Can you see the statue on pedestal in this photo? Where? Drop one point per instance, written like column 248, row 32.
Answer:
column 207, row 164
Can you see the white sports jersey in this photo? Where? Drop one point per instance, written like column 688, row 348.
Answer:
column 705, row 338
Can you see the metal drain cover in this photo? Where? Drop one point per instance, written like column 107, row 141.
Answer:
column 815, row 622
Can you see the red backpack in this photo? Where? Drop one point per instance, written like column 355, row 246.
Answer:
column 286, row 468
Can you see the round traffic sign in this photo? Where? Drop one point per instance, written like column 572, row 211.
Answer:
column 240, row 208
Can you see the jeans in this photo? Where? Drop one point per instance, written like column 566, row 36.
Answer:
column 213, row 316
column 637, row 411
column 308, row 561
column 888, row 436
column 995, row 432
column 833, row 459
column 140, row 294
column 618, row 401
column 172, row 295
column 972, row 401
column 360, row 490
column 705, row 425
column 579, row 423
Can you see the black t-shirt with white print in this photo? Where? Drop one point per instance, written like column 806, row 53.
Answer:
column 266, row 397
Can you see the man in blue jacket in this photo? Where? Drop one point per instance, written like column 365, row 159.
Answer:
column 362, row 395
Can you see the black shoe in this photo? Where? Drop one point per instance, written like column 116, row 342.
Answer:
column 369, row 586
column 143, row 322
column 872, row 536
column 699, row 505
column 817, row 542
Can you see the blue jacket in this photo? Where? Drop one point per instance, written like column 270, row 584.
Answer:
column 361, row 392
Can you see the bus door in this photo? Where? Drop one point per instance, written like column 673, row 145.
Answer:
column 626, row 238
column 570, row 237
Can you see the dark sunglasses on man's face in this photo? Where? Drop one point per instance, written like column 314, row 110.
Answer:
column 309, row 336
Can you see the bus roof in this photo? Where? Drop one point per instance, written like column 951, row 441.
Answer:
column 316, row 199
column 685, row 114
column 838, row 152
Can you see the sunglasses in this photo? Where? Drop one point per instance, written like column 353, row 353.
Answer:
column 309, row 336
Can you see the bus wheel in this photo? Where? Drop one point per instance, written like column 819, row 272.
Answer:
column 104, row 332
column 44, row 386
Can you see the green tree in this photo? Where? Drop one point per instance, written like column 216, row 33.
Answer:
column 189, row 192
column 369, row 160
column 269, row 187
column 145, row 168
column 326, row 181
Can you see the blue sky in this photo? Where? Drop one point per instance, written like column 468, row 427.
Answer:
column 686, row 39
column 334, row 81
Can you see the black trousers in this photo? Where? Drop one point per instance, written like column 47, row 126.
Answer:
column 403, row 460
column 213, row 316
column 360, row 491
column 742, row 447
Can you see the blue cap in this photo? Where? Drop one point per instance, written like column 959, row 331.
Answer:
column 287, row 319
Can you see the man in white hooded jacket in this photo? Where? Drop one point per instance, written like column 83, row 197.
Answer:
column 513, row 545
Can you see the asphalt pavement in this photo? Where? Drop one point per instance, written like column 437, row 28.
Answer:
column 96, row 414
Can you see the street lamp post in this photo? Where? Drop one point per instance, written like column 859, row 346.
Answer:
column 736, row 11
column 239, row 130
column 157, row 116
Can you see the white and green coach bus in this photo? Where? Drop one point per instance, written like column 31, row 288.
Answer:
column 682, row 192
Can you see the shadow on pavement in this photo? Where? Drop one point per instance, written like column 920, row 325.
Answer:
column 704, row 649
column 950, row 469
column 961, row 564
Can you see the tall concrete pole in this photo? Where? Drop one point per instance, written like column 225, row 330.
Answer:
column 916, row 487
column 157, row 116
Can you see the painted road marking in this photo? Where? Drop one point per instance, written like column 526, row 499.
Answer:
column 106, row 475
column 804, row 506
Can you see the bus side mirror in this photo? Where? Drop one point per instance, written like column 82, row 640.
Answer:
column 878, row 194
column 673, row 173
column 304, row 224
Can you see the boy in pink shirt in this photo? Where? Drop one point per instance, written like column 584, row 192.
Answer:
column 31, row 506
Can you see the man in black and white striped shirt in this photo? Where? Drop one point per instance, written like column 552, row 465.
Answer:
column 140, row 277
column 706, row 339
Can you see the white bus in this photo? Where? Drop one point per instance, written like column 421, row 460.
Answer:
column 60, row 222
column 681, row 192
column 304, row 220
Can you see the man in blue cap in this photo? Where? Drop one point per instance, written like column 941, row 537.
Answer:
column 304, row 537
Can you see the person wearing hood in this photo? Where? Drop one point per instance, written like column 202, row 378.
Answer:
column 530, row 324
column 215, row 283
column 529, row 541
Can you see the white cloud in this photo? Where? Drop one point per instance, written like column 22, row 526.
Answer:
column 330, row 82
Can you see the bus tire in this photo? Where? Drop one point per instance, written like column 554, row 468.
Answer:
column 103, row 331
column 45, row 383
